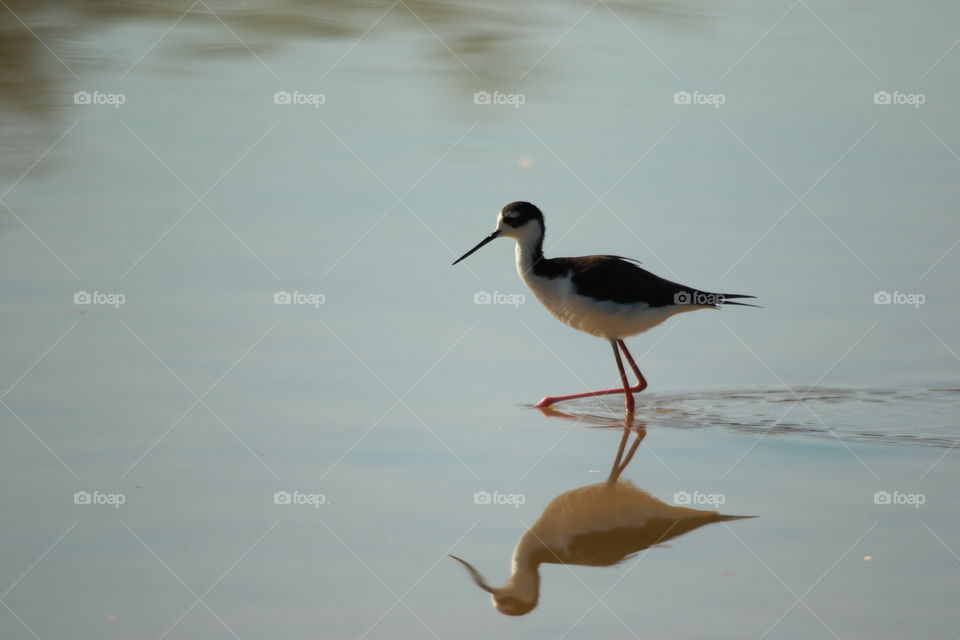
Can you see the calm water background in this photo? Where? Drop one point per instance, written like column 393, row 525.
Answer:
column 398, row 398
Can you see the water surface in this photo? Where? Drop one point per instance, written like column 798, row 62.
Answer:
column 302, row 470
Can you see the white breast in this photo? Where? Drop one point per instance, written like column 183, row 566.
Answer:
column 603, row 319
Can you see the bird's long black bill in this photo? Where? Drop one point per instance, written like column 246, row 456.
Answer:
column 482, row 242
column 475, row 575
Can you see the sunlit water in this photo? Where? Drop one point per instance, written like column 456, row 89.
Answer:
column 345, row 155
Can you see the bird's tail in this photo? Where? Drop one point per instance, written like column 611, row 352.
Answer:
column 725, row 298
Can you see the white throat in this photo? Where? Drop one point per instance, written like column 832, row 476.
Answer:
column 528, row 239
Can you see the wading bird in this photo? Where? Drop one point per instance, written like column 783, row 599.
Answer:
column 605, row 296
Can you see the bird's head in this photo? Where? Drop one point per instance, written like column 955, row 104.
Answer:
column 518, row 598
column 521, row 221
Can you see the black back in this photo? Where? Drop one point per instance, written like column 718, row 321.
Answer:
column 619, row 280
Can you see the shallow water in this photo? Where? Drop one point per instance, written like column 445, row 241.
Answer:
column 922, row 417
column 261, row 469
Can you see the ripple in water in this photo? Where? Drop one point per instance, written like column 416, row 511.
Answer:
column 917, row 417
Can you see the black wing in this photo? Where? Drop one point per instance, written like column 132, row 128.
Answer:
column 615, row 279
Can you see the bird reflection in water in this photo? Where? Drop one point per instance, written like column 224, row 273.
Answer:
column 599, row 525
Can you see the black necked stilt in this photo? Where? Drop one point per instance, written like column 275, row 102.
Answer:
column 606, row 296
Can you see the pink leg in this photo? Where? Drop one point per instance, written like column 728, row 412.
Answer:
column 623, row 378
column 626, row 389
column 641, row 381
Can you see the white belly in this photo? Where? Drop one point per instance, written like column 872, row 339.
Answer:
column 603, row 319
